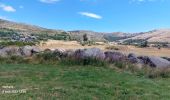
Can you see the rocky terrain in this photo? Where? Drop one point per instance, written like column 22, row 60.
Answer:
column 84, row 54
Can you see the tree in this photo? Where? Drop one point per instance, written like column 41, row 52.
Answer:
column 144, row 44
column 85, row 38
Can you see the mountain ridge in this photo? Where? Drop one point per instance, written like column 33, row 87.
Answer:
column 157, row 35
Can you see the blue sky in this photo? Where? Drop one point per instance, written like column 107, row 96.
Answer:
column 96, row 15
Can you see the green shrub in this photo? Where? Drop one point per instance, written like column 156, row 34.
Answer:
column 120, row 64
column 89, row 43
column 57, row 36
column 156, row 72
column 46, row 57
column 83, row 62
column 16, row 43
column 13, row 60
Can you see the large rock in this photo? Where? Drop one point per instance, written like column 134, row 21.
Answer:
column 60, row 53
column 10, row 51
column 114, row 56
column 155, row 61
column 166, row 58
column 89, row 53
column 70, row 53
column 133, row 58
column 3, row 53
column 94, row 53
column 79, row 54
column 29, row 50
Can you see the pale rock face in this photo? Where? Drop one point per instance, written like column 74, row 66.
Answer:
column 29, row 50
column 3, row 53
column 59, row 53
column 89, row 53
column 10, row 51
column 94, row 53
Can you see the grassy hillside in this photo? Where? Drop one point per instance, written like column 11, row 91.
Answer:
column 25, row 28
column 21, row 28
column 159, row 35
column 51, row 82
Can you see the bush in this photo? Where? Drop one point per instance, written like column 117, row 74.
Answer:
column 112, row 48
column 16, row 43
column 155, row 73
column 13, row 59
column 89, row 43
column 83, row 62
column 46, row 57
column 57, row 36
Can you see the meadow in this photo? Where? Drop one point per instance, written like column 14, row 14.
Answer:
column 75, row 82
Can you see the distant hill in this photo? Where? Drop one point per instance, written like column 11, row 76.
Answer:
column 159, row 35
column 25, row 29
column 94, row 36
column 115, row 36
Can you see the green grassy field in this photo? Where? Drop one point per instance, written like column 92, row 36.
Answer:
column 51, row 82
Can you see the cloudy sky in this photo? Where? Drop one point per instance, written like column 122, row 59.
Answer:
column 97, row 15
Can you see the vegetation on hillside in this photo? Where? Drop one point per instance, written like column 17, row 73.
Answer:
column 46, row 36
column 7, row 33
column 16, row 43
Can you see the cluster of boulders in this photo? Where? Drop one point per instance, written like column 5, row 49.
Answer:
column 151, row 61
column 95, row 53
column 23, row 38
column 19, row 51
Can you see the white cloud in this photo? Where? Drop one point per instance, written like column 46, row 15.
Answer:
column 49, row 1
column 91, row 15
column 7, row 8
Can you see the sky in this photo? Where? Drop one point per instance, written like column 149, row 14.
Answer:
column 96, row 15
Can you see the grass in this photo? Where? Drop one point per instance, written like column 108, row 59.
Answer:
column 51, row 82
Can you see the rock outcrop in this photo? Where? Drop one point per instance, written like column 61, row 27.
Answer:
column 89, row 53
column 10, row 51
column 81, row 54
column 155, row 61
column 29, row 50
column 114, row 56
